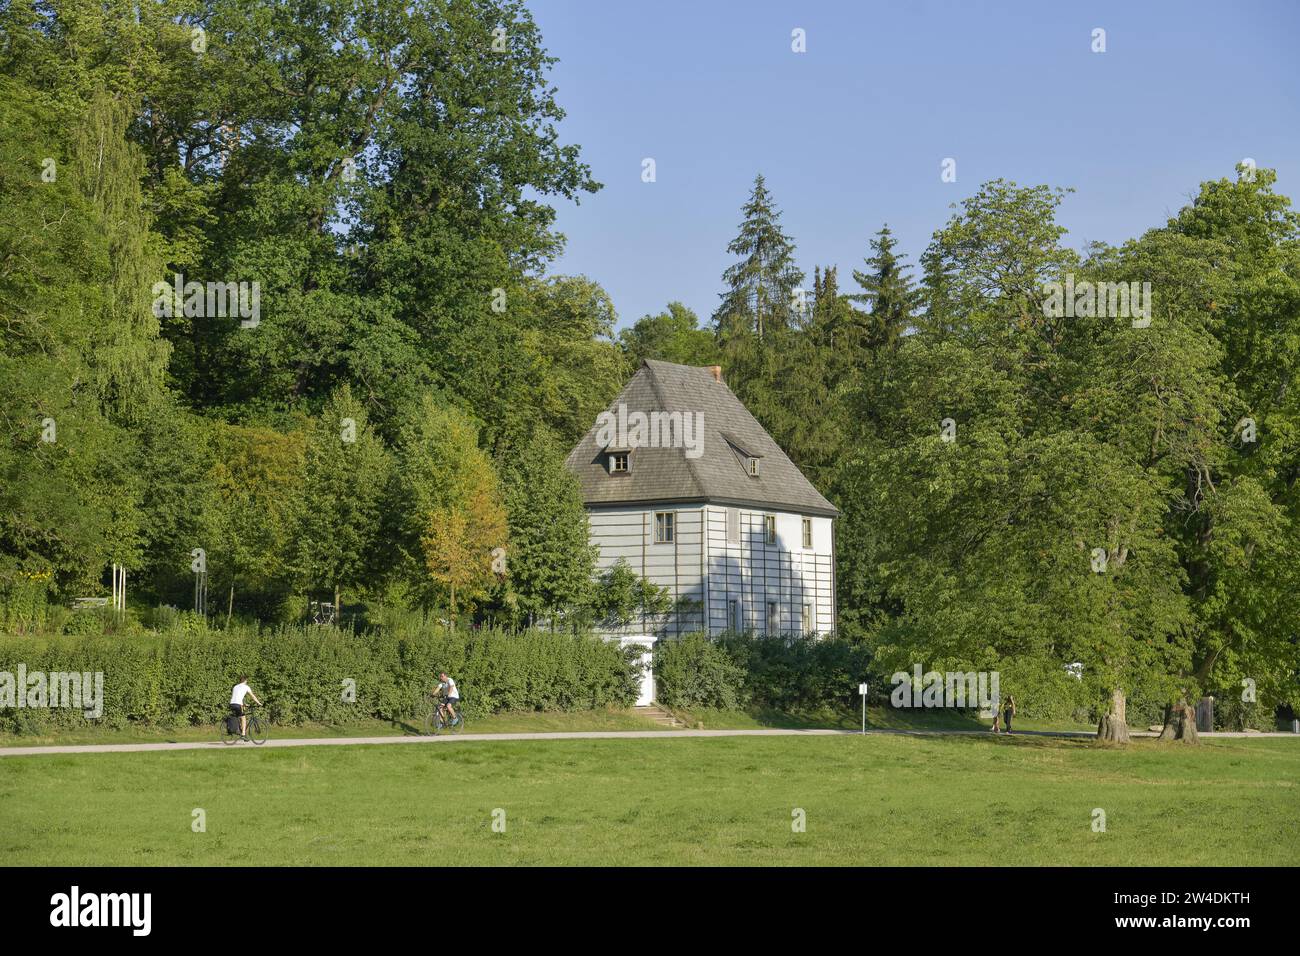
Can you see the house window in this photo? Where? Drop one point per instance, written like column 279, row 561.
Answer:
column 769, row 528
column 753, row 467
column 807, row 619
column 664, row 527
column 733, row 615
column 773, row 618
column 618, row 463
column 733, row 526
column 807, row 532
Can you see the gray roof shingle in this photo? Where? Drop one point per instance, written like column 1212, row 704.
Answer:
column 730, row 435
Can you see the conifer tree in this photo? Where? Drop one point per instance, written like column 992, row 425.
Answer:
column 760, row 296
column 887, row 291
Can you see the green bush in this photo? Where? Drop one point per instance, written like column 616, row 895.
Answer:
column 795, row 672
column 183, row 673
column 786, row 672
column 24, row 600
column 693, row 671
column 1045, row 690
column 1231, row 713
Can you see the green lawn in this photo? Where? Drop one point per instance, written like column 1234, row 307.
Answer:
column 876, row 800
column 535, row 722
column 494, row 724
column 878, row 718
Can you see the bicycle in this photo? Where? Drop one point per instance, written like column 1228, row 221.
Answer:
column 256, row 728
column 436, row 718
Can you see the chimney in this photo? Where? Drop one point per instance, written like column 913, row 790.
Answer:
column 715, row 371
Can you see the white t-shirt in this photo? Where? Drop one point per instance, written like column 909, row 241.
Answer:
column 449, row 686
column 239, row 693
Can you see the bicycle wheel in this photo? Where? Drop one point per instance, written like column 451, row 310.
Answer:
column 256, row 730
column 457, row 725
column 226, row 736
column 430, row 725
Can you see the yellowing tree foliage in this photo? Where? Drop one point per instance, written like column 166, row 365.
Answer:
column 456, row 503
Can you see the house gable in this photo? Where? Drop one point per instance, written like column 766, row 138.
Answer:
column 730, row 438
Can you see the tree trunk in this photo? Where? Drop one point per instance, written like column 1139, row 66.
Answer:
column 1180, row 723
column 453, row 607
column 1113, row 725
column 230, row 604
column 338, row 609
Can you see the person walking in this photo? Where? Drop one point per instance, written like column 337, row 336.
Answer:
column 1008, row 711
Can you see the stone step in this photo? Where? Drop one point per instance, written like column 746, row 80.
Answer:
column 658, row 715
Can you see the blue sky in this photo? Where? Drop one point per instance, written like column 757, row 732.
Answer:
column 852, row 133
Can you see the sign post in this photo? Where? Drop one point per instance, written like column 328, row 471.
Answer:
column 862, row 689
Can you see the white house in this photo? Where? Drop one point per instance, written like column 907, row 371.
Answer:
column 682, row 483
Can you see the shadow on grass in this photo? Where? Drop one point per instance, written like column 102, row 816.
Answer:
column 963, row 725
column 406, row 726
column 878, row 718
column 815, row 720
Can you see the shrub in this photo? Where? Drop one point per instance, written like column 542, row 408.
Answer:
column 1233, row 714
column 183, row 673
column 24, row 600
column 788, row 672
column 693, row 671
column 796, row 672
column 1044, row 690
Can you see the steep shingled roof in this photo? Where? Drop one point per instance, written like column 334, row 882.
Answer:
column 731, row 434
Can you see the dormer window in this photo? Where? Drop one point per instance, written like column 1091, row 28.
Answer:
column 619, row 462
column 745, row 456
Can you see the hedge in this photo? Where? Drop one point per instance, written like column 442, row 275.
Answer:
column 693, row 671
column 182, row 674
column 788, row 672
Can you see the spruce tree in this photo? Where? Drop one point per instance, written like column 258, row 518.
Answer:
column 834, row 323
column 936, row 292
column 760, row 296
column 887, row 291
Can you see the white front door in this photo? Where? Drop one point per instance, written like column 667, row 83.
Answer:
column 646, row 641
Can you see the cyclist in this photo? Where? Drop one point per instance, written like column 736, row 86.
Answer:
column 450, row 693
column 237, row 696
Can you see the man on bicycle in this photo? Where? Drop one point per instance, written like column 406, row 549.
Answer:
column 450, row 692
column 237, row 696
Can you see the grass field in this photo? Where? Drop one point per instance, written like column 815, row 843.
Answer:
column 875, row 800
column 878, row 718
column 494, row 724
column 535, row 722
